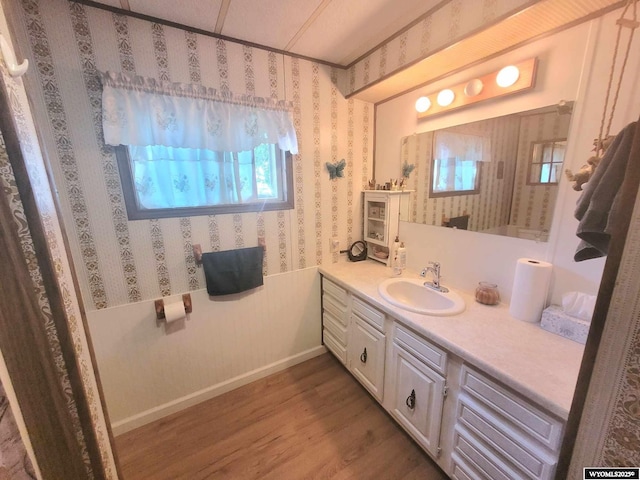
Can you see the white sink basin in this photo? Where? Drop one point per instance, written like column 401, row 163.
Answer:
column 412, row 295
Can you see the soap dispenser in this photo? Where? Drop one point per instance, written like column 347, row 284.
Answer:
column 395, row 260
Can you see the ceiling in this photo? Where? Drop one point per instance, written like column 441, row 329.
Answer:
column 339, row 32
column 335, row 31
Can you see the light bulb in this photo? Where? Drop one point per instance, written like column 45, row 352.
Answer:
column 445, row 97
column 508, row 76
column 423, row 104
column 473, row 88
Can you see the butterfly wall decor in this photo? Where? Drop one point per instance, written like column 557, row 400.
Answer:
column 336, row 170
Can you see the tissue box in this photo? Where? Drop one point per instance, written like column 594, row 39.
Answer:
column 554, row 320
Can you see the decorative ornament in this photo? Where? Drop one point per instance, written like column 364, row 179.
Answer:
column 604, row 139
column 336, row 170
column 407, row 169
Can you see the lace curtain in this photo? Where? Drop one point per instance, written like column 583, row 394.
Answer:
column 462, row 146
column 181, row 177
column 144, row 111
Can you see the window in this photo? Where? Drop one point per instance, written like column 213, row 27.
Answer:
column 163, row 182
column 546, row 162
column 187, row 150
column 456, row 163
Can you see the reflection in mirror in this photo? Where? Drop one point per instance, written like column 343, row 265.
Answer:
column 497, row 176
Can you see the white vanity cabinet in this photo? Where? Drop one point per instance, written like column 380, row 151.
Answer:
column 499, row 435
column 418, row 387
column 476, row 427
column 366, row 349
column 335, row 318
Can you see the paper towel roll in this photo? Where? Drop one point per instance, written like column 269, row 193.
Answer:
column 530, row 287
column 174, row 311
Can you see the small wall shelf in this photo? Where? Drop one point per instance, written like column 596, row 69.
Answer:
column 383, row 210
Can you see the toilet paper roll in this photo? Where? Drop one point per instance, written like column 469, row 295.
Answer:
column 174, row 312
column 530, row 287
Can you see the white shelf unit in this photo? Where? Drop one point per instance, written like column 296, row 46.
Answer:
column 383, row 210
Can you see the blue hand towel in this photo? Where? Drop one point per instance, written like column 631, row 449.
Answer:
column 233, row 271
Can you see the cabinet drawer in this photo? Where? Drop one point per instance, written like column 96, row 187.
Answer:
column 507, row 443
column 529, row 418
column 339, row 293
column 367, row 312
column 480, row 459
column 337, row 329
column 433, row 356
column 334, row 346
column 460, row 470
column 336, row 309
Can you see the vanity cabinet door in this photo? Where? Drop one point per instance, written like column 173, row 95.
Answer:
column 418, row 398
column 365, row 354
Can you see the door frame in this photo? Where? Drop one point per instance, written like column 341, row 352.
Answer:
column 26, row 349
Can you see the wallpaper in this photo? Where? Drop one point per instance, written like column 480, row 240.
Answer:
column 120, row 261
column 445, row 24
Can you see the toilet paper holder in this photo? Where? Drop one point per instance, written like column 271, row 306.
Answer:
column 186, row 299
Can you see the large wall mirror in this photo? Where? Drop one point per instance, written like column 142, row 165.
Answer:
column 497, row 176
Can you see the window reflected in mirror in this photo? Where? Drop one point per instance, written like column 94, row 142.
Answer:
column 456, row 163
column 454, row 176
column 546, row 161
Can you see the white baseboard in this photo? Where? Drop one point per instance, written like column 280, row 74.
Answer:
column 168, row 408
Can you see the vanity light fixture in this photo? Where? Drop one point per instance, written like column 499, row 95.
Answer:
column 423, row 104
column 517, row 77
column 507, row 76
column 446, row 97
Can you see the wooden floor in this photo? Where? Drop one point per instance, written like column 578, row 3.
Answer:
column 311, row 421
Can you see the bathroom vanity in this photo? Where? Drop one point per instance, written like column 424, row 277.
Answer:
column 485, row 395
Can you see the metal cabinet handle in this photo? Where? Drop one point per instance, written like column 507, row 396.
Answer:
column 411, row 400
column 363, row 356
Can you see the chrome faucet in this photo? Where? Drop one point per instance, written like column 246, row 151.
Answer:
column 434, row 268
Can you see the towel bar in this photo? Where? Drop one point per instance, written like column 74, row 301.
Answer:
column 197, row 250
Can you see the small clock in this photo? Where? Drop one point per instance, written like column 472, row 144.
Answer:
column 357, row 251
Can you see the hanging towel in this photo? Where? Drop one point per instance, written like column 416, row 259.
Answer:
column 233, row 271
column 597, row 206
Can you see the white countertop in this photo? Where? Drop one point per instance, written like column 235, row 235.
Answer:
column 540, row 365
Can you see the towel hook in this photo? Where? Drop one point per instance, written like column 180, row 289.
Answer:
column 10, row 61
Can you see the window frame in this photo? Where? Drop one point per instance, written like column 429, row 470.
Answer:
column 531, row 161
column 135, row 212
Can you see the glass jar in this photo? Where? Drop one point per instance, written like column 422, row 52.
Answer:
column 487, row 293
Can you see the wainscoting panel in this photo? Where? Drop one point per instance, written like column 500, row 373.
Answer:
column 226, row 342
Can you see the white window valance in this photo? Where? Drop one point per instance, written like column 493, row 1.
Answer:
column 142, row 111
column 462, row 146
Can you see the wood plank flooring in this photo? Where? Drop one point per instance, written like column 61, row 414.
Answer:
column 311, row 421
